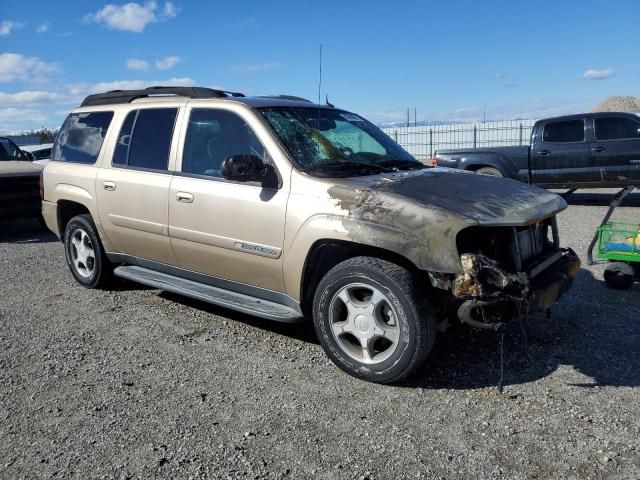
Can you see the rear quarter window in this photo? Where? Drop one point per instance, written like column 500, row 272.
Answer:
column 617, row 128
column 81, row 137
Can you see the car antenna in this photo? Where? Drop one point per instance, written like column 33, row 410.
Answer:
column 327, row 103
column 320, row 76
column 319, row 93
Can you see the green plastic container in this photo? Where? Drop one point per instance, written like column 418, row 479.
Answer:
column 619, row 241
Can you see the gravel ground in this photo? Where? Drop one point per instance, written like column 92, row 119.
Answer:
column 136, row 383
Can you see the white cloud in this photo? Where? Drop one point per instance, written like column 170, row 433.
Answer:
column 169, row 10
column 593, row 74
column 255, row 67
column 16, row 118
column 137, row 64
column 167, row 62
column 132, row 17
column 16, row 66
column 43, row 27
column 7, row 26
column 30, row 97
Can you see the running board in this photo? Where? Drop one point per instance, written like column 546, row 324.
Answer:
column 206, row 293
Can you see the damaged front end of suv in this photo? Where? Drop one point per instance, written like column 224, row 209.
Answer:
column 489, row 247
column 508, row 272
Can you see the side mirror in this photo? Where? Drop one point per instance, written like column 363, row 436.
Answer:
column 243, row 168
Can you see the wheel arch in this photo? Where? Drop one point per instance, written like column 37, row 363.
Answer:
column 326, row 253
column 67, row 209
column 476, row 162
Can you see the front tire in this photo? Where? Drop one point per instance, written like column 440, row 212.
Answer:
column 372, row 319
column 84, row 253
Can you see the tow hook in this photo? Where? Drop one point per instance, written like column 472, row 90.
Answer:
column 467, row 310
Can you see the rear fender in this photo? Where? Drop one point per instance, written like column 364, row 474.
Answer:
column 71, row 193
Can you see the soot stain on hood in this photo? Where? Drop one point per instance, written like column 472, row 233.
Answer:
column 420, row 213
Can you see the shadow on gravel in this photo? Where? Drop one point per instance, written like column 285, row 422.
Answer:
column 602, row 199
column 302, row 331
column 25, row 231
column 594, row 329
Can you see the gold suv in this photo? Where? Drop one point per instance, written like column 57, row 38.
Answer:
column 286, row 210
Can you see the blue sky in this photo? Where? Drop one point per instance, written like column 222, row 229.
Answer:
column 447, row 59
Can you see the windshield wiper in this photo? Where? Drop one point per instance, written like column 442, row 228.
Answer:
column 401, row 164
column 343, row 166
column 346, row 165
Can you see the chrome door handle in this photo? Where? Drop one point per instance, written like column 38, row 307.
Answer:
column 545, row 152
column 599, row 149
column 184, row 197
column 109, row 186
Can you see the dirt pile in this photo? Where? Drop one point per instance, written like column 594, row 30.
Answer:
column 618, row 104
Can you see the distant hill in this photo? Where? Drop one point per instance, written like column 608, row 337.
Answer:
column 618, row 104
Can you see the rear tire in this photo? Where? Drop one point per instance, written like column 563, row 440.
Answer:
column 494, row 172
column 619, row 275
column 85, row 254
column 372, row 319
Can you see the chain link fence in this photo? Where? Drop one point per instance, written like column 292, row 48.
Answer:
column 423, row 141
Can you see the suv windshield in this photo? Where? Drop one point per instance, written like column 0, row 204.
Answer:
column 10, row 151
column 330, row 142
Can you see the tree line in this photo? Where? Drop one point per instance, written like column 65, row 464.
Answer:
column 46, row 135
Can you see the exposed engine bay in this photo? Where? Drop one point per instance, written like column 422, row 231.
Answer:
column 508, row 272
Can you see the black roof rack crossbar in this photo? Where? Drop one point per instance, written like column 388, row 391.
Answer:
column 127, row 96
column 287, row 97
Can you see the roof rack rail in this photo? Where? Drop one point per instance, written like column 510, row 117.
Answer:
column 287, row 97
column 127, row 96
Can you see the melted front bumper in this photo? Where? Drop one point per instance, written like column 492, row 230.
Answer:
column 491, row 296
column 548, row 286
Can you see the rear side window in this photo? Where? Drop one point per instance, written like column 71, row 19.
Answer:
column 145, row 139
column 81, row 137
column 617, row 128
column 564, row 132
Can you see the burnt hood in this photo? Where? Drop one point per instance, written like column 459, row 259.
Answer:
column 472, row 198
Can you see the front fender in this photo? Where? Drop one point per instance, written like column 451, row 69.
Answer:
column 424, row 251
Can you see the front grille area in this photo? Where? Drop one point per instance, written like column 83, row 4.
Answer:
column 19, row 196
column 515, row 248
